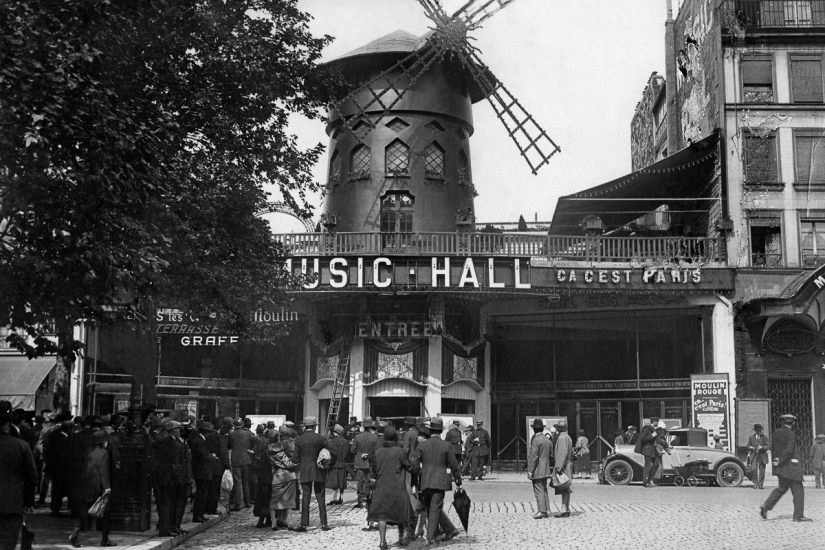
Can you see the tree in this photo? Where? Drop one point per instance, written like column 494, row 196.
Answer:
column 137, row 140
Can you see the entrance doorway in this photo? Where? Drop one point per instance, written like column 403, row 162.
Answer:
column 394, row 407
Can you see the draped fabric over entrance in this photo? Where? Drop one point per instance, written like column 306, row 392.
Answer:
column 459, row 363
column 407, row 360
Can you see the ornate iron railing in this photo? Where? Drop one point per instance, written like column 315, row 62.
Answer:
column 777, row 13
column 552, row 247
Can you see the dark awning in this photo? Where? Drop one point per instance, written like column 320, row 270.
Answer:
column 20, row 376
column 683, row 182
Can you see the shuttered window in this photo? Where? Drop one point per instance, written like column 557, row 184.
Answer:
column 809, row 149
column 757, row 79
column 806, row 79
column 761, row 165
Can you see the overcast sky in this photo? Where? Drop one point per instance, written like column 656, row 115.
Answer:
column 578, row 66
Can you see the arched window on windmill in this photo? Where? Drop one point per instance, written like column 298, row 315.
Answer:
column 434, row 161
column 359, row 163
column 334, row 170
column 397, row 159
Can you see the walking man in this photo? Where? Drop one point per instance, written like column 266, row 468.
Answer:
column 453, row 437
column 240, row 443
column 787, row 466
column 18, row 479
column 818, row 459
column 202, row 460
column 434, row 456
column 173, row 475
column 313, row 479
column 758, row 445
column 539, row 469
column 482, row 441
column 364, row 444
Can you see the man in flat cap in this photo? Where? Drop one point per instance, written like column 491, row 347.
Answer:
column 758, row 446
column 481, row 451
column 787, row 465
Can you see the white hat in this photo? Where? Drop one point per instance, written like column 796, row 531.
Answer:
column 662, row 425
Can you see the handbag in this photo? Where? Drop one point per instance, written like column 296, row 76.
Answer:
column 98, row 509
column 226, row 481
column 560, row 481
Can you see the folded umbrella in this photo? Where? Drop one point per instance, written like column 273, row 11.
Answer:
column 462, row 503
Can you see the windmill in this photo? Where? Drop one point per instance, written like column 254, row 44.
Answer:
column 448, row 39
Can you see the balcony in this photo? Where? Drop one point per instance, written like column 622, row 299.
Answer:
column 557, row 248
column 777, row 14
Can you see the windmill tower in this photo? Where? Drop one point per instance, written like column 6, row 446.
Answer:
column 399, row 154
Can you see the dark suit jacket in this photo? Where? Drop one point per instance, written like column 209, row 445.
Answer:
column 307, row 448
column 201, row 458
column 94, row 477
column 784, row 448
column 763, row 442
column 217, row 445
column 240, row 442
column 18, row 475
column 538, row 459
column 647, row 441
column 172, row 462
column 434, row 456
column 410, row 441
column 453, row 437
column 365, row 442
column 484, row 441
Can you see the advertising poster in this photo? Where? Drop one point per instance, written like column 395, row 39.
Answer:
column 548, row 423
column 256, row 419
column 709, row 396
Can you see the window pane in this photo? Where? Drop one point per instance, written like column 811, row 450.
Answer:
column 335, row 169
column 397, row 158
column 809, row 148
column 760, row 159
column 806, row 79
column 434, row 161
column 757, row 80
column 360, row 162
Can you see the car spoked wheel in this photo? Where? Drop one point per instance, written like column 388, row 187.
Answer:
column 730, row 474
column 618, row 472
column 679, row 481
column 693, row 481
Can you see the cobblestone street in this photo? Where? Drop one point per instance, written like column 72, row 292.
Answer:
column 602, row 516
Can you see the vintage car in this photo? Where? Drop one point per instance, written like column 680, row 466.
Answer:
column 690, row 462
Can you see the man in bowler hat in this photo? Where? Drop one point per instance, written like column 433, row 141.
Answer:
column 758, row 446
column 539, row 468
column 787, row 465
column 313, row 479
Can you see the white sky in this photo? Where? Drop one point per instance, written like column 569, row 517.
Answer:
column 579, row 67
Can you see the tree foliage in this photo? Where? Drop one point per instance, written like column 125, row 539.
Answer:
column 136, row 141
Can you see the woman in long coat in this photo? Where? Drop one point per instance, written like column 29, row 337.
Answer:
column 390, row 503
column 263, row 488
column 284, row 480
column 563, row 454
column 337, row 478
column 93, row 482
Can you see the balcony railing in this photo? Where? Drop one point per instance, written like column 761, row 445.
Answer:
column 778, row 13
column 552, row 247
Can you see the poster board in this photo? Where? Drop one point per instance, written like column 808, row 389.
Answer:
column 710, row 404
column 256, row 419
column 548, row 423
column 748, row 413
column 671, row 423
column 464, row 420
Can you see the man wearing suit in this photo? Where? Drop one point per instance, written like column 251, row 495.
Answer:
column 631, row 437
column 217, row 445
column 481, row 451
column 453, row 437
column 364, row 444
column 313, row 479
column 434, row 456
column 18, row 479
column 646, row 445
column 539, row 468
column 758, row 445
column 173, row 477
column 202, row 461
column 787, row 464
column 240, row 443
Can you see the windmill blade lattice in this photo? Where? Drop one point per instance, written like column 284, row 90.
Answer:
column 532, row 141
column 394, row 83
column 474, row 13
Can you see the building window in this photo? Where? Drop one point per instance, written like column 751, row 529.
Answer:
column 761, row 159
column 434, row 161
column 806, row 79
column 757, row 79
column 361, row 129
column 396, row 125
column 335, row 169
column 397, row 158
column 359, row 163
column 809, row 149
column 813, row 243
column 397, row 213
column 766, row 240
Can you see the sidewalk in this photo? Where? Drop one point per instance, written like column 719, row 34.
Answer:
column 53, row 532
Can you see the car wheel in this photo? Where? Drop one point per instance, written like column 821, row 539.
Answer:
column 618, row 472
column 729, row 474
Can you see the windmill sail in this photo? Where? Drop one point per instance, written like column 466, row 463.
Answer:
column 474, row 13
